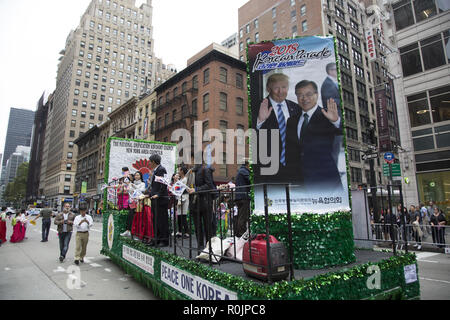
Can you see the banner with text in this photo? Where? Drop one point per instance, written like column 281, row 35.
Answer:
column 135, row 154
column 194, row 287
column 296, row 112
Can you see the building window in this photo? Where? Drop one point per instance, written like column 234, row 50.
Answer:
column 223, row 167
column 206, row 76
column 429, row 50
column 419, row 111
column 194, row 107
column 410, row 58
column 69, row 155
column 257, row 37
column 432, row 52
column 223, row 125
column 195, row 82
column 304, row 26
column 206, row 102
column 403, row 14
column 424, row 9
column 356, row 174
column 205, row 126
column 274, row 13
column 223, row 101
column 303, row 10
column 223, row 75
column 440, row 104
column 239, row 106
column 239, row 81
column 67, row 188
column 294, row 31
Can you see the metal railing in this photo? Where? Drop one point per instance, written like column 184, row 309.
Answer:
column 206, row 220
column 407, row 235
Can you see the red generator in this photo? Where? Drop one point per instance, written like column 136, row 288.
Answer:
column 257, row 266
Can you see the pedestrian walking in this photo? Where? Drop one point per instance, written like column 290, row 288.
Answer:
column 425, row 219
column 438, row 222
column 64, row 220
column 418, row 233
column 19, row 223
column 46, row 215
column 82, row 224
column 3, row 226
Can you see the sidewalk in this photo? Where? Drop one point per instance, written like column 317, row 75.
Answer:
column 427, row 244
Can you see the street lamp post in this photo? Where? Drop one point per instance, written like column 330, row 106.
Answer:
column 373, row 183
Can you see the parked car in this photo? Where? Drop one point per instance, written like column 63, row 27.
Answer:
column 34, row 211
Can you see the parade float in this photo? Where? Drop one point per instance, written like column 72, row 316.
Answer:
column 315, row 225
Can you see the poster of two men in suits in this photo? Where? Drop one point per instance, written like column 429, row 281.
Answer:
column 296, row 112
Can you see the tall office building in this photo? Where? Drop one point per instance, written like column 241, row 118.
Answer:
column 37, row 148
column 361, row 74
column 20, row 125
column 423, row 94
column 107, row 60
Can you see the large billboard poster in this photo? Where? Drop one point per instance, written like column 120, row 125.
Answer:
column 296, row 113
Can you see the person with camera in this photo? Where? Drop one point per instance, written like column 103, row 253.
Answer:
column 64, row 220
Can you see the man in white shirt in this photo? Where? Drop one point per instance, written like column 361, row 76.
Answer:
column 82, row 224
column 64, row 220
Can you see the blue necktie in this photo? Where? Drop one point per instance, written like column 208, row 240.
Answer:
column 303, row 128
column 282, row 127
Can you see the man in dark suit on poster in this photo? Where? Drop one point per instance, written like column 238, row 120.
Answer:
column 160, row 202
column 274, row 112
column 311, row 135
column 330, row 87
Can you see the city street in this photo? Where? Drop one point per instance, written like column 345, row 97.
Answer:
column 434, row 275
column 31, row 270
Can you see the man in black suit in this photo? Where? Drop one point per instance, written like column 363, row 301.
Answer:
column 200, row 204
column 330, row 87
column 274, row 112
column 160, row 202
column 310, row 140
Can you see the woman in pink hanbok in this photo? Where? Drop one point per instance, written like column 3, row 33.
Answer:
column 19, row 223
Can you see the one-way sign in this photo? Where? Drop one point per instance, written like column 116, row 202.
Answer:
column 366, row 156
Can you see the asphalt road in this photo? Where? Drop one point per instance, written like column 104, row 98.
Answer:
column 434, row 275
column 30, row 270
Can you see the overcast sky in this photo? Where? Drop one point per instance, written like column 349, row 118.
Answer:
column 33, row 32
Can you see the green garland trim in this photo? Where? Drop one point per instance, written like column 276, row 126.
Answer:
column 319, row 240
column 344, row 284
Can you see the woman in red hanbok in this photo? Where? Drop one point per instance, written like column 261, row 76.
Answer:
column 19, row 223
column 140, row 223
column 3, row 225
